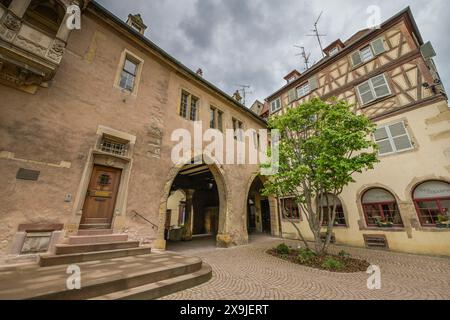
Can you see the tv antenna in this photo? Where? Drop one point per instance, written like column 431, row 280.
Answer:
column 317, row 34
column 305, row 56
column 244, row 89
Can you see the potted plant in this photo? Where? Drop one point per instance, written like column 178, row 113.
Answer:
column 443, row 222
column 384, row 223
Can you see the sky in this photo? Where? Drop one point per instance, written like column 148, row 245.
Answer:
column 251, row 42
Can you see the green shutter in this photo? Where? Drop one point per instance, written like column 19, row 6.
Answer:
column 292, row 95
column 313, row 83
column 356, row 58
column 378, row 46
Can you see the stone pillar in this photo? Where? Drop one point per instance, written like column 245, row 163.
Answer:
column 19, row 7
column 189, row 214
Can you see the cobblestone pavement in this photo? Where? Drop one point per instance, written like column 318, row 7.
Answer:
column 247, row 272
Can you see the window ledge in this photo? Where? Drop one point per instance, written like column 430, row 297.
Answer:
column 394, row 229
column 432, row 229
column 100, row 152
column 374, row 102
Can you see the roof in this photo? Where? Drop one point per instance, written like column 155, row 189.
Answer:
column 294, row 72
column 333, row 45
column 151, row 45
column 351, row 44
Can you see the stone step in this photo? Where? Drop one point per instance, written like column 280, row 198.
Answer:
column 94, row 239
column 84, row 248
column 94, row 232
column 108, row 276
column 54, row 260
column 162, row 288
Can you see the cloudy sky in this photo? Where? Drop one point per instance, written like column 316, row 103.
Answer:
column 251, row 42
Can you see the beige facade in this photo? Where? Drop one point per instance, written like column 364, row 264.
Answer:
column 411, row 93
column 60, row 131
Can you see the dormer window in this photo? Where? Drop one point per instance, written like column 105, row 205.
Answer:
column 334, row 51
column 136, row 23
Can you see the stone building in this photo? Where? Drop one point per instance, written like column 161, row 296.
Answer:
column 86, row 119
column 389, row 75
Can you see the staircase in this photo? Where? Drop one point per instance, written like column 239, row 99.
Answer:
column 112, row 268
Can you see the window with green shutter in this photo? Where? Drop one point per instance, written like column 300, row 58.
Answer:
column 373, row 89
column 378, row 46
column 375, row 48
column 393, row 138
column 292, row 95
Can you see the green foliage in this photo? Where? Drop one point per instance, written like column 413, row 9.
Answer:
column 344, row 254
column 332, row 264
column 323, row 144
column 305, row 255
column 283, row 249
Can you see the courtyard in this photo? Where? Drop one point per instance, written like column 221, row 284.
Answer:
column 247, row 272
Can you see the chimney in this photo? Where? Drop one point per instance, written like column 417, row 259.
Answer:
column 136, row 23
column 199, row 72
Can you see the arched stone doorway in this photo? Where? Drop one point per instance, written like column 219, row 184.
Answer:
column 202, row 211
column 261, row 211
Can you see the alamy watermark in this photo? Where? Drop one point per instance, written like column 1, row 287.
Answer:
column 374, row 281
column 231, row 147
column 73, row 282
column 73, row 21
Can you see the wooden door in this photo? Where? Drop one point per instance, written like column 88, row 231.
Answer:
column 98, row 209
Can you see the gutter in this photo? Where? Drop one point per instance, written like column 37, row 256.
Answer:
column 147, row 42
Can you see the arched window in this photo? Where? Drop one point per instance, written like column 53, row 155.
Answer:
column 432, row 200
column 380, row 208
column 327, row 204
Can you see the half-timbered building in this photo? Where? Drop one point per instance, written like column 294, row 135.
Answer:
column 389, row 75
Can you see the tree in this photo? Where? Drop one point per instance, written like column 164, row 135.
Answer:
column 322, row 145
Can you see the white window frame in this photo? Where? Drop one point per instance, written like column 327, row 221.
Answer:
column 390, row 138
column 276, row 101
column 370, row 45
column 372, row 89
column 303, row 93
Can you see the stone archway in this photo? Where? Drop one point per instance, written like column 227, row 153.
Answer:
column 224, row 193
column 273, row 206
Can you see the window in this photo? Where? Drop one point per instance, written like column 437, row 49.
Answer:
column 393, row 138
column 237, row 127
column 220, row 120
column 256, row 139
column 334, row 51
column 275, row 105
column 113, row 146
column 189, row 106
column 375, row 48
column 432, row 201
column 303, row 90
column 128, row 76
column 373, row 89
column 216, row 116
column 327, row 204
column 194, row 107
column 212, row 119
column 290, row 209
column 380, row 207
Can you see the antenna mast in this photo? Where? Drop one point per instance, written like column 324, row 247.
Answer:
column 244, row 90
column 305, row 56
column 317, row 34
